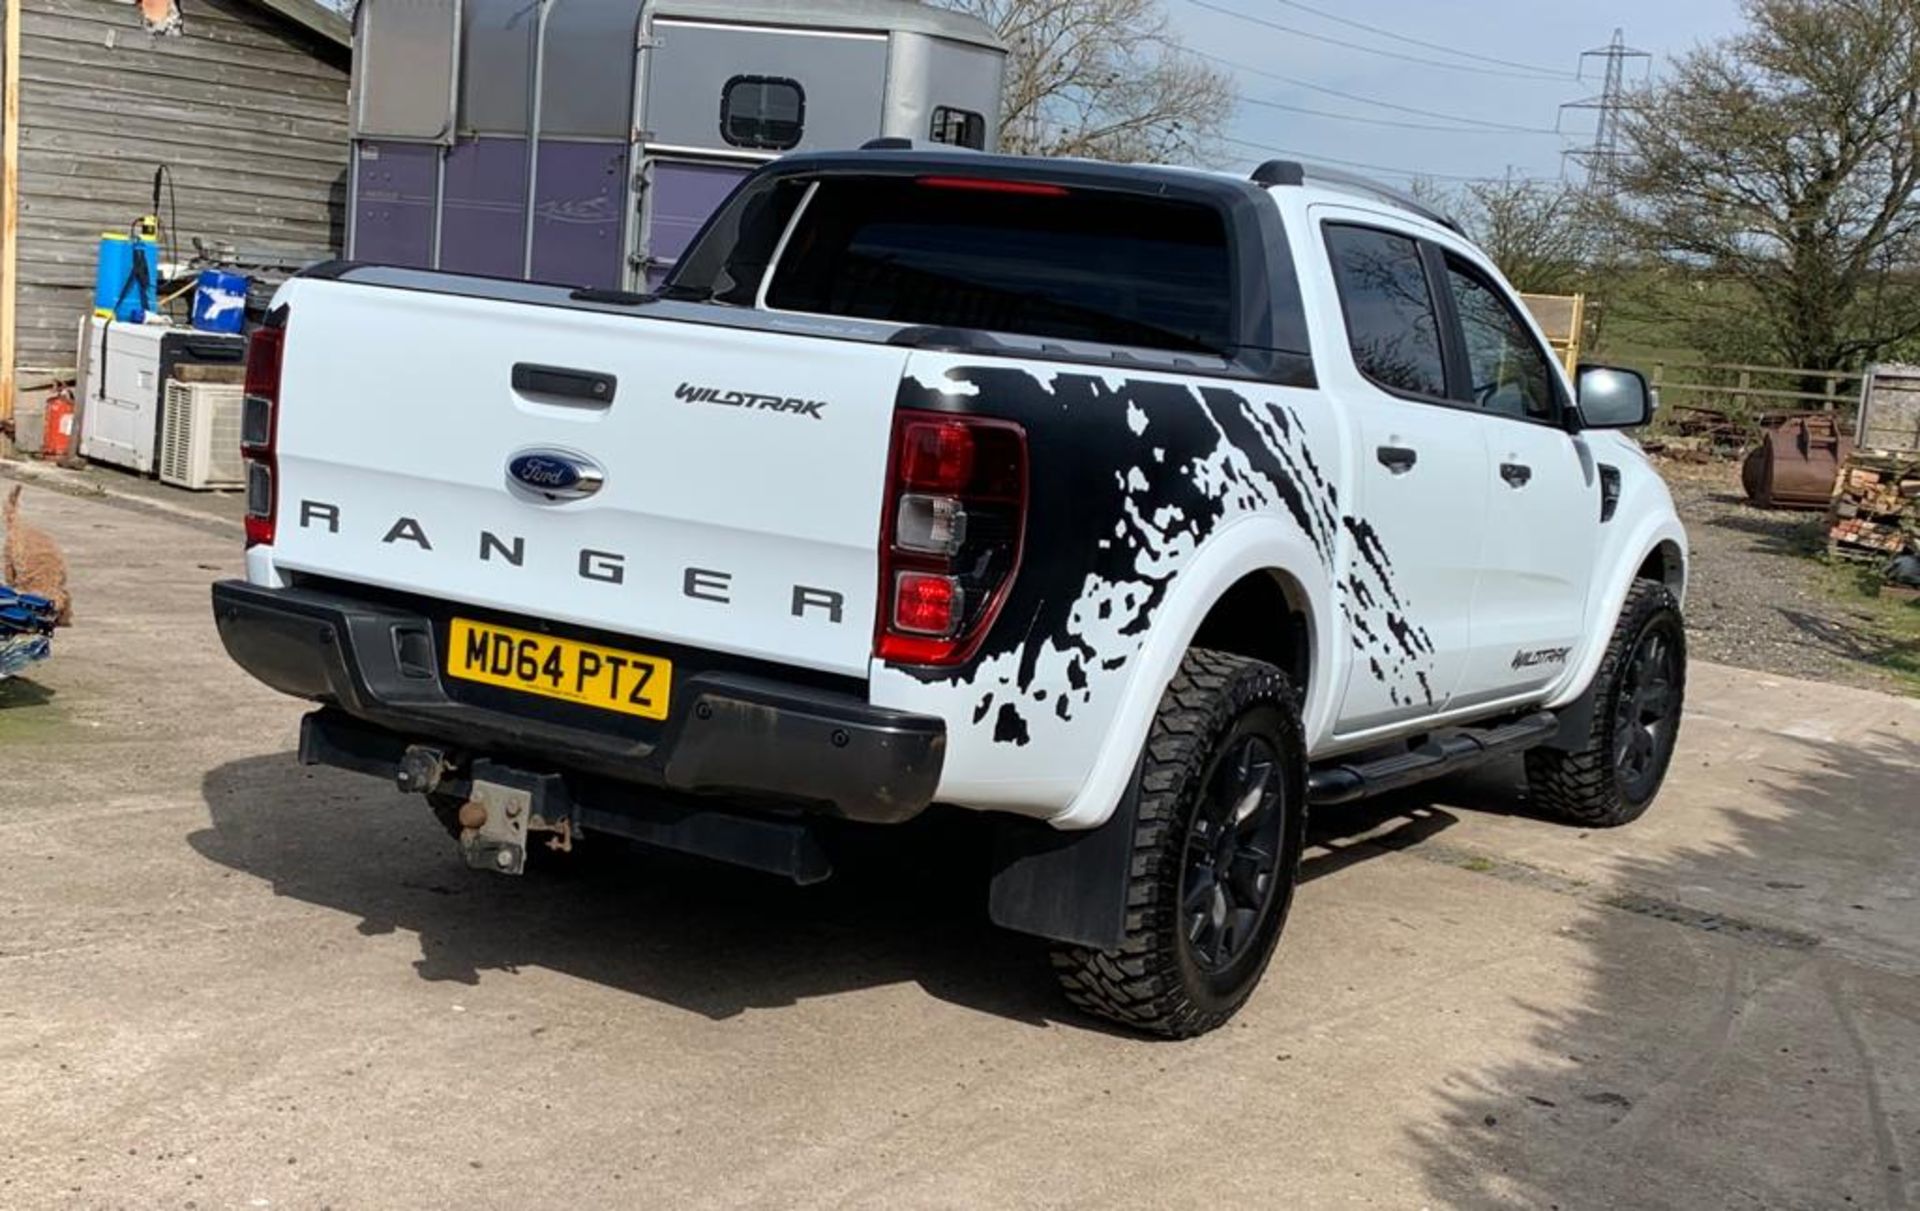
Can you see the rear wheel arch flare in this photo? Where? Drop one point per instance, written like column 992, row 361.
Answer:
column 1264, row 615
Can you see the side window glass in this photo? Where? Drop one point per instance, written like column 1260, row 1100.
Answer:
column 959, row 127
column 1511, row 375
column 1391, row 321
column 762, row 112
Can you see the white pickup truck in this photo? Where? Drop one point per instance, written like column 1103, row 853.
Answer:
column 1134, row 509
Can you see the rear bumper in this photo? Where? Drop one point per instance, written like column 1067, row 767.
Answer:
column 730, row 733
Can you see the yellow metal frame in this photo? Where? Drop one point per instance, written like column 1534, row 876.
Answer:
column 1568, row 347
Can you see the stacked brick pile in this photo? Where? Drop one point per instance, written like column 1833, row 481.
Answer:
column 1876, row 507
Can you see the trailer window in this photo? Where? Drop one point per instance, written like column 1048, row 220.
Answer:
column 959, row 127
column 1014, row 257
column 763, row 112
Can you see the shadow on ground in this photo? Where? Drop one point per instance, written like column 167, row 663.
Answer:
column 1866, row 644
column 907, row 904
column 20, row 692
column 1799, row 533
column 1712, row 1063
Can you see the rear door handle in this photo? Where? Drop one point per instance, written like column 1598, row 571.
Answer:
column 560, row 383
column 1517, row 475
column 1397, row 459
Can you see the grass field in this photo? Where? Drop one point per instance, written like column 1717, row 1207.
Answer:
column 1896, row 619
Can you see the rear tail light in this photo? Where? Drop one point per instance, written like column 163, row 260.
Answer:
column 950, row 544
column 927, row 603
column 260, row 428
column 931, row 525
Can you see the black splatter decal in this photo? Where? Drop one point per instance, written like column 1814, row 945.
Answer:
column 1011, row 726
column 1129, row 478
column 1400, row 658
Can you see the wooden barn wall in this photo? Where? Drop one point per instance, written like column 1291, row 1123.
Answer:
column 247, row 111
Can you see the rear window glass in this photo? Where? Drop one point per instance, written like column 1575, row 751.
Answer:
column 1082, row 265
column 1391, row 320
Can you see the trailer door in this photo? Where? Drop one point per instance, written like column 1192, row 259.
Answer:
column 723, row 99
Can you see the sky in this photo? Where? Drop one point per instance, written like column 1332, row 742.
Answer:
column 1537, row 43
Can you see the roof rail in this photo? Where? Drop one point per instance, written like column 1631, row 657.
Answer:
column 1293, row 173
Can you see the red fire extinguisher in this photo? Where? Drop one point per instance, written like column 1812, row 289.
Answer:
column 56, row 438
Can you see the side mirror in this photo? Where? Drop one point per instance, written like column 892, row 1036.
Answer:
column 1612, row 398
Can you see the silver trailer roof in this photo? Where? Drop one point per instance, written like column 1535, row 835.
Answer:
column 877, row 16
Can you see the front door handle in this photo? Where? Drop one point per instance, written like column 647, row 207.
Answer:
column 1397, row 459
column 1517, row 475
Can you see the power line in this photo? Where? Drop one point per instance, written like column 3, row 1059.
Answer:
column 1312, row 158
column 1357, row 98
column 1397, row 124
column 1371, row 50
column 1449, row 50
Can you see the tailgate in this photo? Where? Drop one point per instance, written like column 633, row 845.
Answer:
column 739, row 508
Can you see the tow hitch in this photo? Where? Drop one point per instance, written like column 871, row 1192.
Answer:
column 498, row 811
column 501, row 811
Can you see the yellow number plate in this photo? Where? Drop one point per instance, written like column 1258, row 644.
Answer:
column 582, row 673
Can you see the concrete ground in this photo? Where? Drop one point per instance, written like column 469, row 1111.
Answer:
column 226, row 981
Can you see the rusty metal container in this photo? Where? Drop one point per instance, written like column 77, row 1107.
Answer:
column 1796, row 463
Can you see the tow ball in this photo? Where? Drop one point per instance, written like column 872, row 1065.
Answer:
column 500, row 808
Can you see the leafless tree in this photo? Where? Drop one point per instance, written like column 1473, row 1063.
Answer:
column 1106, row 79
column 1542, row 234
column 1778, row 169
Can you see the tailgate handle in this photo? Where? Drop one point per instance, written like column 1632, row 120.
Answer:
column 560, row 383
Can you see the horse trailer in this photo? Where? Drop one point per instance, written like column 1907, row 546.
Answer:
column 584, row 142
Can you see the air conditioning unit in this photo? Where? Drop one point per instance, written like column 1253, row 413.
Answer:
column 200, row 436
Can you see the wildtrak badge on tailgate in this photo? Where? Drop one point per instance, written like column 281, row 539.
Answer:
column 749, row 399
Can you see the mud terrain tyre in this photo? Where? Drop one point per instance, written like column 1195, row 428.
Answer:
column 1217, row 838
column 1641, row 689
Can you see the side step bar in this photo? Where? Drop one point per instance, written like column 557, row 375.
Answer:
column 1346, row 782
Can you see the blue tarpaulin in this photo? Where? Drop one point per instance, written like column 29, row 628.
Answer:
column 26, row 627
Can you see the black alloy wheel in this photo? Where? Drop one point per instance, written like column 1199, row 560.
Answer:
column 1646, row 714
column 1233, row 854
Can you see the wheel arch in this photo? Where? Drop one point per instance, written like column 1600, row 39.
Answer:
column 1241, row 622
column 1254, row 561
column 1656, row 549
column 1666, row 563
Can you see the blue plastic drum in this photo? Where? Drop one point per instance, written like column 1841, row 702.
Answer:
column 220, row 301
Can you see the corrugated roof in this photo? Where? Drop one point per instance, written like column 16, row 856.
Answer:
column 321, row 19
column 874, row 15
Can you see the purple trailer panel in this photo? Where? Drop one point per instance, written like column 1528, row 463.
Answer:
column 393, row 214
column 484, row 215
column 683, row 196
column 577, row 216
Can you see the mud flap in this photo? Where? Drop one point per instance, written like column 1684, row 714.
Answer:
column 1066, row 886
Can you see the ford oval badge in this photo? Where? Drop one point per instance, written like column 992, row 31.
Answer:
column 556, row 474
